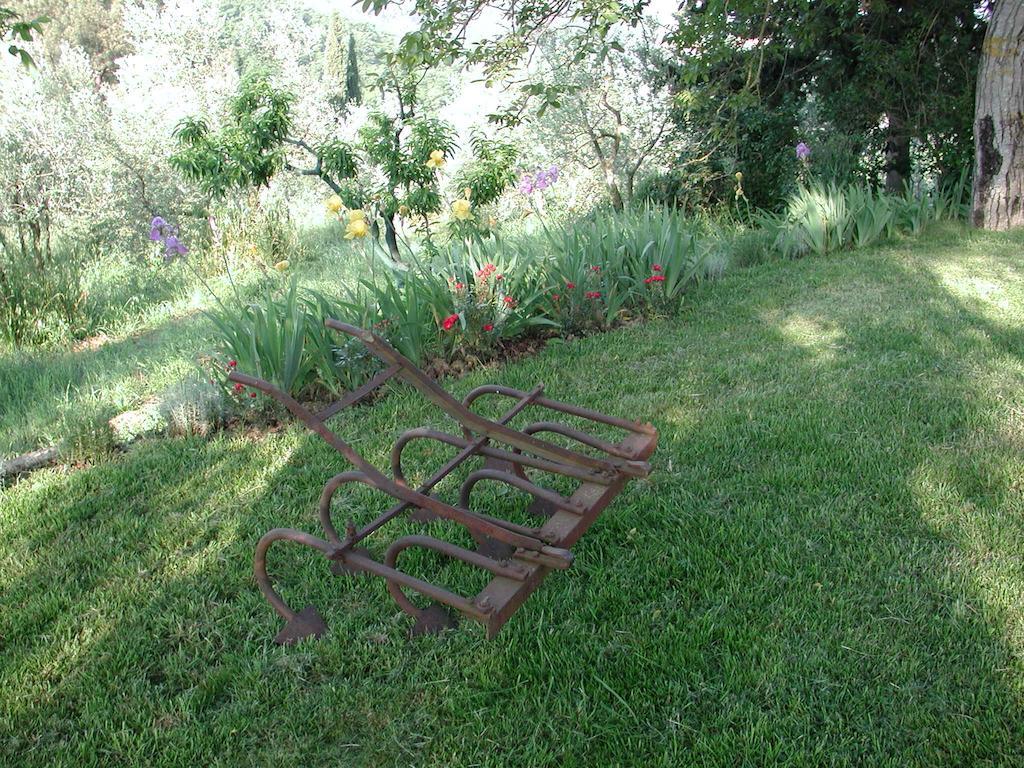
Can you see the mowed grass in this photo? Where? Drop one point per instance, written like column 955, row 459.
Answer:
column 823, row 569
column 147, row 347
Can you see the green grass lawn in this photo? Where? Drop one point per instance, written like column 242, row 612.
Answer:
column 824, row 568
column 65, row 395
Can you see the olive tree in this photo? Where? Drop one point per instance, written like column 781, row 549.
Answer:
column 610, row 118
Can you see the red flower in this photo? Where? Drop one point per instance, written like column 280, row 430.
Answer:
column 459, row 286
column 499, row 277
column 570, row 286
column 656, row 267
column 655, row 279
column 232, row 363
column 596, row 268
column 488, row 327
column 449, row 322
column 593, row 294
column 509, row 301
column 239, row 387
column 252, row 394
column 554, row 296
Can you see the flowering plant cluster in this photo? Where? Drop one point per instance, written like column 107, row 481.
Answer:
column 462, row 209
column 456, row 305
column 578, row 303
column 218, row 369
column 538, row 181
column 167, row 235
column 656, row 276
column 356, row 225
column 481, row 310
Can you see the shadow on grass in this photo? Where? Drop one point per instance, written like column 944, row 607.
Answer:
column 43, row 392
column 821, row 570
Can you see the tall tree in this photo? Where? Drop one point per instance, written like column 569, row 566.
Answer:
column 334, row 53
column 353, row 89
column 610, row 119
column 888, row 72
column 999, row 121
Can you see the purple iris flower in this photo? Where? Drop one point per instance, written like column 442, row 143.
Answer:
column 162, row 232
column 803, row 152
column 540, row 179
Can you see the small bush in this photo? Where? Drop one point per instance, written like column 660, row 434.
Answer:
column 281, row 338
column 42, row 288
column 193, row 407
column 822, row 219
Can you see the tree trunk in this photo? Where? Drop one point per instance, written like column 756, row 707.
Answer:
column 897, row 155
column 998, row 194
column 612, row 185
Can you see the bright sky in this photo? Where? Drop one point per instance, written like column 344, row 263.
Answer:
column 395, row 19
column 474, row 100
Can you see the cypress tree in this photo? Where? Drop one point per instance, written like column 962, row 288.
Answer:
column 353, row 90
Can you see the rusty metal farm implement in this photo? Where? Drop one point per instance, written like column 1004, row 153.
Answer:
column 517, row 557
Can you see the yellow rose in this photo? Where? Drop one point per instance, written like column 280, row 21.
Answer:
column 461, row 210
column 357, row 228
column 436, row 159
column 334, row 204
column 282, row 265
column 357, row 215
column 739, row 177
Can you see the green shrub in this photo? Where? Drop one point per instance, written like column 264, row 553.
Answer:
column 281, row 338
column 251, row 234
column 42, row 288
column 822, row 219
column 872, row 214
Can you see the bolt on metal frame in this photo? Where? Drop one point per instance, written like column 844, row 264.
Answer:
column 518, row 557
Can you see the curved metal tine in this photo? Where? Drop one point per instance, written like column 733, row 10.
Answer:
column 358, row 477
column 555, row 499
column 426, row 620
column 497, row 453
column 327, row 495
column 467, row 418
column 307, row 622
column 556, row 405
column 395, row 577
column 508, row 570
column 579, row 436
